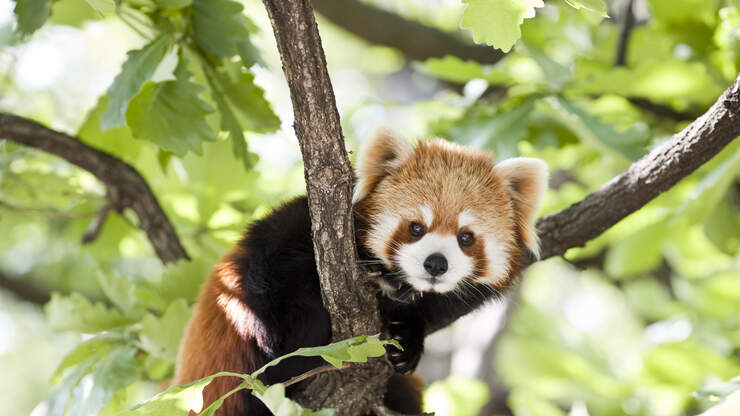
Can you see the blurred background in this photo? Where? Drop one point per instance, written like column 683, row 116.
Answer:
column 635, row 323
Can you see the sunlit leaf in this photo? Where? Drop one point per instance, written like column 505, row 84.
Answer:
column 137, row 69
column 161, row 336
column 246, row 99
column 218, row 26
column 596, row 6
column 495, row 22
column 116, row 371
column 95, row 347
column 77, row 313
column 171, row 114
column 500, row 132
column 31, row 15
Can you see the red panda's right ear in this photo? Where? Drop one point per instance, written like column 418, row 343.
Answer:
column 377, row 157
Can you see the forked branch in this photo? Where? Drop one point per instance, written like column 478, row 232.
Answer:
column 125, row 186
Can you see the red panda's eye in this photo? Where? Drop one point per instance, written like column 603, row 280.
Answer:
column 416, row 229
column 466, row 239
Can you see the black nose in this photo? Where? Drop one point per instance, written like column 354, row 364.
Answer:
column 435, row 264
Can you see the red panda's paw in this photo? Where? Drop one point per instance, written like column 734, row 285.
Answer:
column 410, row 334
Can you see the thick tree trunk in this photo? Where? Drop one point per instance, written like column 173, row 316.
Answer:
column 351, row 304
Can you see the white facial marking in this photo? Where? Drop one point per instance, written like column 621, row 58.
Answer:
column 498, row 259
column 381, row 233
column 427, row 215
column 465, row 218
column 411, row 260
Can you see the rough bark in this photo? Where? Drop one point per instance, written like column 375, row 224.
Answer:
column 645, row 179
column 413, row 39
column 352, row 307
column 125, row 186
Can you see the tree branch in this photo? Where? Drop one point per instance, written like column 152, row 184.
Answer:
column 126, row 188
column 351, row 305
column 645, row 179
column 628, row 21
column 24, row 291
column 413, row 39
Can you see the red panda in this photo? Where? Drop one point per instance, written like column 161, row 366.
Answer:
column 447, row 227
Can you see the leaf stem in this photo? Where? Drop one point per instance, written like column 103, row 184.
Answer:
column 315, row 371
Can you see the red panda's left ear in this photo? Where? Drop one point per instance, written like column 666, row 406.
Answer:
column 526, row 181
column 378, row 156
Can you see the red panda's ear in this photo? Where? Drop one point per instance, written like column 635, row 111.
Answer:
column 526, row 181
column 378, row 156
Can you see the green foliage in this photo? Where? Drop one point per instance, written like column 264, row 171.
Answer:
column 171, row 114
column 495, row 22
column 31, row 15
column 652, row 319
column 138, row 68
column 179, row 400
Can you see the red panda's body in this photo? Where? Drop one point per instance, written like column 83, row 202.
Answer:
column 446, row 226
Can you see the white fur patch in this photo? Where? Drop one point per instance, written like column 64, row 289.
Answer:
column 427, row 215
column 465, row 218
column 381, row 232
column 498, row 259
column 411, row 260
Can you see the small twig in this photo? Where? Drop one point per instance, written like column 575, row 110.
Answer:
column 315, row 371
column 384, row 411
column 628, row 21
column 96, row 224
column 126, row 187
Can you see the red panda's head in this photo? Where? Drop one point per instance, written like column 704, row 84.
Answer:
column 441, row 215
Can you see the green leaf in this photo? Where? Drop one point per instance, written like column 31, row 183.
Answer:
column 665, row 81
column 175, row 401
column 72, row 13
column 58, row 399
column 121, row 292
column 723, row 227
column 275, row 400
column 500, row 132
column 709, row 191
column 718, row 390
column 119, row 369
column 218, row 26
column 173, row 4
column 246, row 98
column 31, row 15
column 596, row 6
column 161, row 336
column 230, row 124
column 171, row 114
column 103, row 6
column 593, row 131
column 180, row 400
column 94, row 347
column 356, row 349
column 638, row 253
column 495, row 22
column 76, row 313
column 138, row 68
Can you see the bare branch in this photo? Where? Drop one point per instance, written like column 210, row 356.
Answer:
column 413, row 39
column 628, row 21
column 126, row 187
column 352, row 307
column 645, row 179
